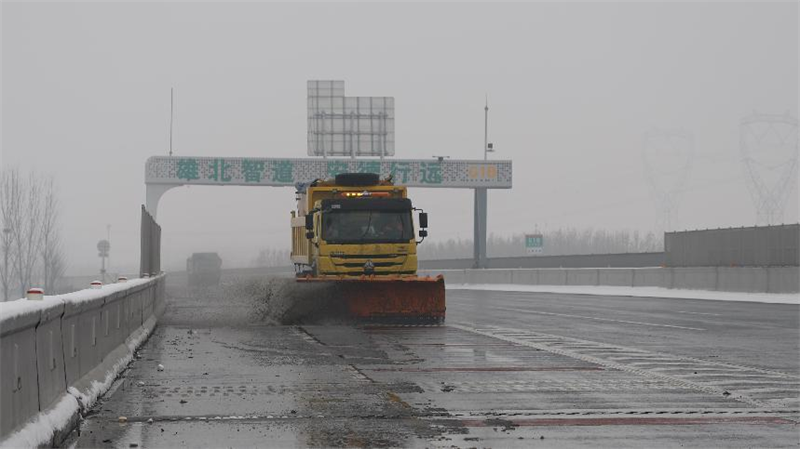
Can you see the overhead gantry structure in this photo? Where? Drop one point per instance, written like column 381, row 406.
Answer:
column 163, row 173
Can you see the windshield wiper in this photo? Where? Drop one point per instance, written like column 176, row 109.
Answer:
column 369, row 222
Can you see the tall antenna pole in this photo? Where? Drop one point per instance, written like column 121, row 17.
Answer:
column 171, row 115
column 108, row 238
column 486, row 128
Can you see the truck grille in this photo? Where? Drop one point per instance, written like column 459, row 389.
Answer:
column 387, row 263
column 371, row 257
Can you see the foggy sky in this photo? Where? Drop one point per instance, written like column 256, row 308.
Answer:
column 572, row 89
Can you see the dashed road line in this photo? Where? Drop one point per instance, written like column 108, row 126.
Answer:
column 588, row 351
column 639, row 323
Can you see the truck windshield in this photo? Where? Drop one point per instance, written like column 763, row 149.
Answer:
column 365, row 226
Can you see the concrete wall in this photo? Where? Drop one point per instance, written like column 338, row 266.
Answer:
column 68, row 341
column 760, row 246
column 732, row 279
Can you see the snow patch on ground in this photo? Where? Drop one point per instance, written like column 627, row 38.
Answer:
column 642, row 292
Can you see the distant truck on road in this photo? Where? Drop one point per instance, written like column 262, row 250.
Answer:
column 204, row 269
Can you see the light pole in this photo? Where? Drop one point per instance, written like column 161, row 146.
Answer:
column 481, row 200
column 487, row 147
column 108, row 238
column 103, row 247
column 171, row 116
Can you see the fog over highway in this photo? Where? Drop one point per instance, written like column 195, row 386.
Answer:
column 439, row 225
column 573, row 89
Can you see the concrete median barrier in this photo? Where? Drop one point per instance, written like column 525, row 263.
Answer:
column 51, row 376
column 783, row 280
column 651, row 277
column 622, row 277
column 19, row 397
column 60, row 353
column 739, row 279
column 552, row 276
column 694, row 278
column 489, row 276
column 526, row 277
column 583, row 276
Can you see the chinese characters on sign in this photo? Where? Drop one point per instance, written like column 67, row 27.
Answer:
column 288, row 172
column 534, row 243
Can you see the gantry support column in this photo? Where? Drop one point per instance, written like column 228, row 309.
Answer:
column 153, row 195
column 479, row 238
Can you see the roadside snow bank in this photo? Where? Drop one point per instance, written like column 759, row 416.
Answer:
column 643, row 292
column 41, row 429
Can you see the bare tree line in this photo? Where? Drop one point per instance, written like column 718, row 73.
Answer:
column 564, row 241
column 31, row 248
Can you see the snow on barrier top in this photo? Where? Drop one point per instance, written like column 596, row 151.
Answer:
column 13, row 310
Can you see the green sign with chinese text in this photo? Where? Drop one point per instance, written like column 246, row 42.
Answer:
column 179, row 170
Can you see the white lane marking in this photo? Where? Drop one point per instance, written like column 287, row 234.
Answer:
column 698, row 313
column 548, row 339
column 600, row 319
column 715, row 391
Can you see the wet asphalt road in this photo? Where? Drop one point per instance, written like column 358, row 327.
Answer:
column 506, row 370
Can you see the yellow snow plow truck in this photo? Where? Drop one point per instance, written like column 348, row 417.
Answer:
column 356, row 232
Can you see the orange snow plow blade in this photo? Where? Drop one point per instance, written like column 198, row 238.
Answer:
column 409, row 298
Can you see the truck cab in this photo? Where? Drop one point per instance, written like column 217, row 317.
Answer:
column 355, row 227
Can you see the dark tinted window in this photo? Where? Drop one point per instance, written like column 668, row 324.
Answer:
column 367, row 226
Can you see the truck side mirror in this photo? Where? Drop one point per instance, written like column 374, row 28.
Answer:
column 423, row 233
column 423, row 220
column 310, row 222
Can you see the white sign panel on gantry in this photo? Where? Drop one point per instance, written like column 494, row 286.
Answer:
column 189, row 170
column 348, row 126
